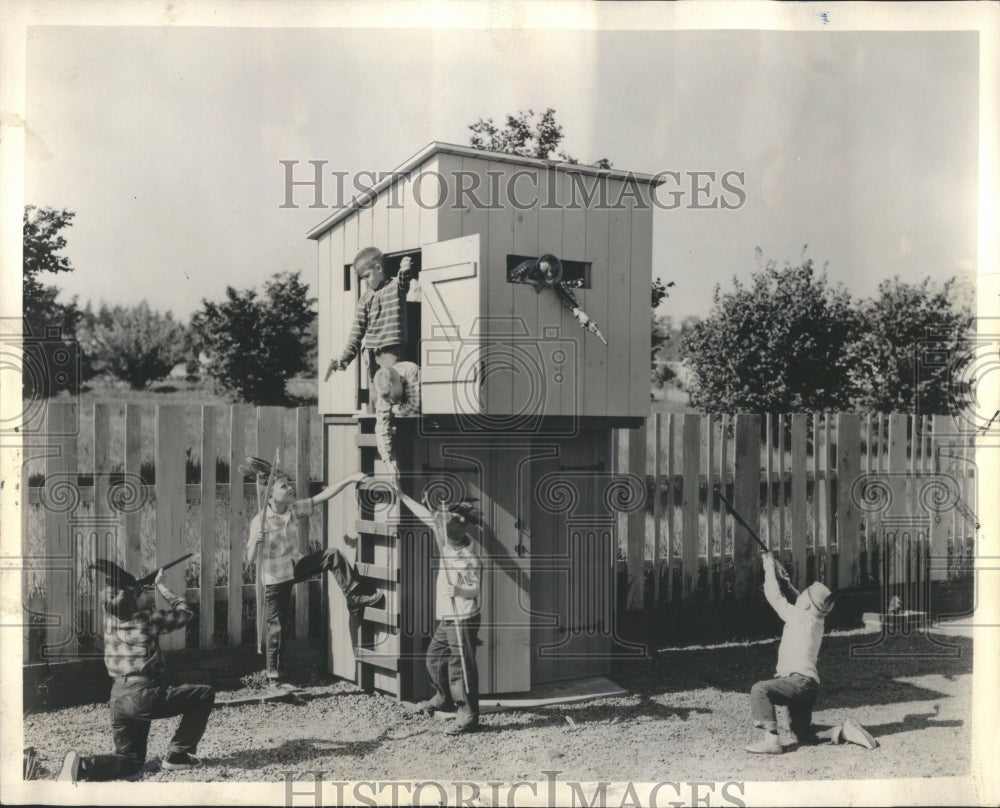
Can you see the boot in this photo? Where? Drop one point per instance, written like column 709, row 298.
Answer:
column 435, row 703
column 768, row 745
column 357, row 602
column 465, row 721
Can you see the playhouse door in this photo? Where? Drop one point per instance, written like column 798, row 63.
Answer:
column 449, row 352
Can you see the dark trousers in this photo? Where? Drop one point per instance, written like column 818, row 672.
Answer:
column 444, row 662
column 278, row 600
column 135, row 702
column 796, row 692
column 384, row 357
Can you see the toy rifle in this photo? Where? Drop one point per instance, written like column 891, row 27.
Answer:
column 779, row 568
column 118, row 578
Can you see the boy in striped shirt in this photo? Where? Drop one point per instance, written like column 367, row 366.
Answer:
column 380, row 317
column 133, row 658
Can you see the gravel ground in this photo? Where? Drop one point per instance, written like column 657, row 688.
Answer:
column 686, row 717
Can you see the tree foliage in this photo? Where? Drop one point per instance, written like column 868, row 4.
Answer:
column 48, row 324
column 131, row 343
column 903, row 324
column 779, row 344
column 788, row 341
column 524, row 135
column 256, row 343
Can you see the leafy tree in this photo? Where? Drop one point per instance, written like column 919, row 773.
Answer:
column 48, row 324
column 525, row 136
column 257, row 343
column 780, row 344
column 899, row 323
column 660, row 371
column 131, row 343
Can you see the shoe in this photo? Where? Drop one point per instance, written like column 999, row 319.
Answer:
column 179, row 761
column 768, row 745
column 435, row 703
column 70, row 771
column 357, row 603
column 853, row 732
column 465, row 721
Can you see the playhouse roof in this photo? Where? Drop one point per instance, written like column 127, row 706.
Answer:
column 436, row 147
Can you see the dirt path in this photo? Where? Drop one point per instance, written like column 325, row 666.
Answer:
column 686, row 718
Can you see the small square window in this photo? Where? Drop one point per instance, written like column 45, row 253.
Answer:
column 575, row 274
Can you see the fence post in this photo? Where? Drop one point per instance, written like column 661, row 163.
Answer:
column 691, row 495
column 746, row 496
column 848, row 519
column 171, row 503
column 133, row 468
column 237, row 517
column 799, row 500
column 656, row 509
column 62, row 496
column 636, row 520
column 302, row 492
column 206, row 577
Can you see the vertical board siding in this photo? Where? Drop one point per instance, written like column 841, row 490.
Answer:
column 640, row 284
column 594, row 301
column 171, row 504
column 616, row 320
column 530, row 377
column 504, row 319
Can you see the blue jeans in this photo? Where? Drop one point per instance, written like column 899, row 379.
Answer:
column 444, row 662
column 135, row 703
column 796, row 692
column 278, row 600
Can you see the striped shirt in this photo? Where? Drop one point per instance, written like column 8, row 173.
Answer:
column 133, row 646
column 386, row 411
column 380, row 317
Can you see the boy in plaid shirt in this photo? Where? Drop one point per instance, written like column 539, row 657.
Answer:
column 380, row 318
column 133, row 657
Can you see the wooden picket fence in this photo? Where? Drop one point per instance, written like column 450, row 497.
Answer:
column 101, row 507
column 817, row 485
column 853, row 500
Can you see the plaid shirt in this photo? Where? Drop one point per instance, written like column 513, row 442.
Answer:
column 133, row 646
column 380, row 317
column 386, row 411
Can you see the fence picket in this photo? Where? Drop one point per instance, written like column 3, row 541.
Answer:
column 206, row 575
column 690, row 501
column 670, row 506
column 237, row 529
column 133, row 468
column 710, row 499
column 746, row 498
column 768, row 482
column 61, row 492
column 636, row 520
column 171, row 503
column 848, row 468
column 302, row 492
column 657, row 447
column 896, row 460
column 799, row 481
column 781, row 485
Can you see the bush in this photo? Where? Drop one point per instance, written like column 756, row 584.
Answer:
column 256, row 344
column 780, row 344
column 134, row 344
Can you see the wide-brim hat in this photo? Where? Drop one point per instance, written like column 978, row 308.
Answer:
column 257, row 467
column 820, row 596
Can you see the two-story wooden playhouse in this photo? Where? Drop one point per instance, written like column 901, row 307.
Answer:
column 518, row 406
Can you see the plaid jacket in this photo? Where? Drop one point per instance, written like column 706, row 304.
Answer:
column 133, row 646
column 386, row 411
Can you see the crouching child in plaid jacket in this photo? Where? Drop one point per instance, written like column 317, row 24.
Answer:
column 139, row 695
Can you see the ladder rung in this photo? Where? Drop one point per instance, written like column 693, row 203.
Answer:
column 377, row 571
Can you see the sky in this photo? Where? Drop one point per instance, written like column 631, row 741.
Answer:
column 166, row 142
